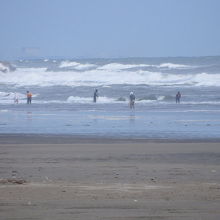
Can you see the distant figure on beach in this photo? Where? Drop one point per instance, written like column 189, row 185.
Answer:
column 16, row 98
column 178, row 96
column 132, row 100
column 96, row 95
column 29, row 97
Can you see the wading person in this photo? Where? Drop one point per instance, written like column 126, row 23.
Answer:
column 132, row 100
column 96, row 95
column 29, row 97
column 178, row 96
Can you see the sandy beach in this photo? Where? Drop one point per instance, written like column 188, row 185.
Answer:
column 49, row 178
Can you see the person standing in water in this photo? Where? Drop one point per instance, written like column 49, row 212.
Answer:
column 96, row 95
column 132, row 100
column 29, row 97
column 178, row 96
column 16, row 98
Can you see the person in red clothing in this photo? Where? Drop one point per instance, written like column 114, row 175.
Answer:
column 29, row 97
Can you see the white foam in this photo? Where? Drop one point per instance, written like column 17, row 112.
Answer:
column 9, row 97
column 5, row 67
column 161, row 98
column 205, row 79
column 4, row 110
column 68, row 64
column 75, row 65
column 201, row 103
column 119, row 66
column 105, row 100
column 173, row 66
column 30, row 70
column 101, row 100
column 85, row 66
column 95, row 77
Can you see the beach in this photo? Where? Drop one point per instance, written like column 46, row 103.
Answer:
column 70, row 177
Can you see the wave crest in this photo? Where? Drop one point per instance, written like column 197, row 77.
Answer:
column 76, row 66
column 41, row 77
column 6, row 67
column 173, row 66
column 119, row 66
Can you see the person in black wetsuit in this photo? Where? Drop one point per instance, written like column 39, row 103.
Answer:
column 178, row 96
column 96, row 95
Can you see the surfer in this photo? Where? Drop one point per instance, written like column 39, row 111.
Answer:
column 132, row 100
column 96, row 95
column 178, row 96
column 29, row 97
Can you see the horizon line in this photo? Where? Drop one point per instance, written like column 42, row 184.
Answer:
column 89, row 58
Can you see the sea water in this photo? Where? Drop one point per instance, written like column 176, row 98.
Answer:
column 63, row 97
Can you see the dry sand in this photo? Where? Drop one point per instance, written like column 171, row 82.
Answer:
column 90, row 179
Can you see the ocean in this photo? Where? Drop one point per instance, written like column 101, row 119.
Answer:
column 63, row 97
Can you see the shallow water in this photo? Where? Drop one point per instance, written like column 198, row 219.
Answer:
column 63, row 92
column 145, row 123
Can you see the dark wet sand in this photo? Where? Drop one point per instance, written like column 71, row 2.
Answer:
column 63, row 178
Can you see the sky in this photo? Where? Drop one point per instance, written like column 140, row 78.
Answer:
column 109, row 28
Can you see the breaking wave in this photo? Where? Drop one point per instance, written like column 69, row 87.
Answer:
column 41, row 77
column 76, row 66
column 119, row 66
column 6, row 67
column 76, row 99
column 106, row 100
column 9, row 97
column 71, row 65
column 173, row 66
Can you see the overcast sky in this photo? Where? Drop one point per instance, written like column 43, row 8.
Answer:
column 109, row 28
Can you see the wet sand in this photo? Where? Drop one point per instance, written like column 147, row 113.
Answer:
column 73, row 178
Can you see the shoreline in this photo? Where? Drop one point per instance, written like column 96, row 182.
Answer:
column 22, row 138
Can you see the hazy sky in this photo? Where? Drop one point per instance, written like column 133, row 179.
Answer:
column 109, row 28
